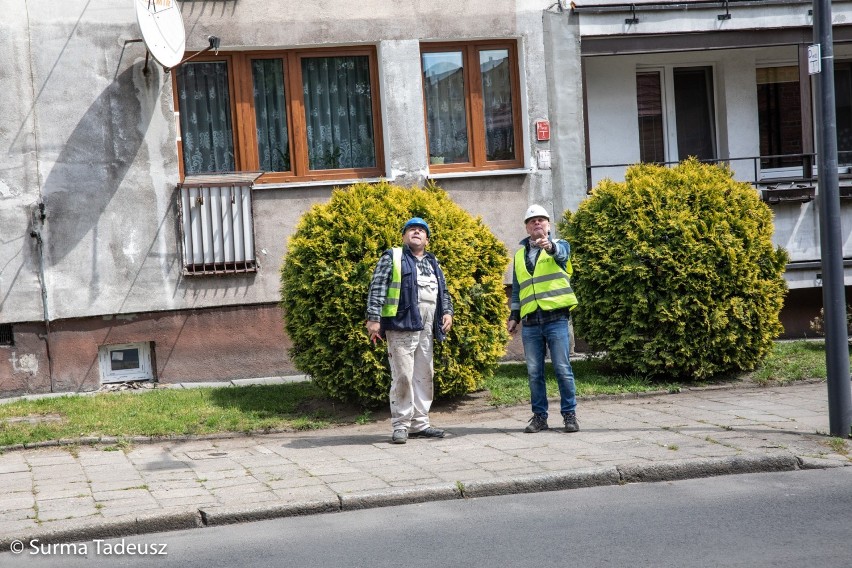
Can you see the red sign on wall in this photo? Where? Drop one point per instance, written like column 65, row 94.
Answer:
column 542, row 130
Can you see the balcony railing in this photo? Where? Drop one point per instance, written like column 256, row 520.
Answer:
column 779, row 177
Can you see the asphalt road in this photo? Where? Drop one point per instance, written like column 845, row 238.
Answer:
column 774, row 520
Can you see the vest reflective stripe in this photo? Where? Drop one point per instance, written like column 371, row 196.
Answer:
column 548, row 288
column 391, row 304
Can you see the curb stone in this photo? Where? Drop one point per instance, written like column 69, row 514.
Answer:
column 217, row 515
column 811, row 462
column 707, row 467
column 77, row 531
column 589, row 477
column 401, row 496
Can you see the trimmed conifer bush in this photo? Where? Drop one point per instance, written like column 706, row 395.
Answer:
column 326, row 274
column 676, row 271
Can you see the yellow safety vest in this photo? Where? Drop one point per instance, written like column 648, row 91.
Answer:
column 391, row 304
column 548, row 288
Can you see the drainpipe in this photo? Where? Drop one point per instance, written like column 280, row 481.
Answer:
column 38, row 218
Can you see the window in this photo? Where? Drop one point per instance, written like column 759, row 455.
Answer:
column 126, row 362
column 676, row 114
column 696, row 126
column 779, row 111
column 649, row 97
column 292, row 115
column 471, row 95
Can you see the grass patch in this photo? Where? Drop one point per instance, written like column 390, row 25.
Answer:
column 169, row 412
column 510, row 385
column 789, row 361
column 793, row 361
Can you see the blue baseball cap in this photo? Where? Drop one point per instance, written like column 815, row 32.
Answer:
column 416, row 222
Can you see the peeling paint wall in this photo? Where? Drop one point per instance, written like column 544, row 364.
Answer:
column 24, row 366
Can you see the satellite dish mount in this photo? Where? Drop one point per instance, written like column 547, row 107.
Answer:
column 163, row 33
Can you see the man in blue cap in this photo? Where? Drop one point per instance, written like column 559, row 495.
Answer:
column 408, row 303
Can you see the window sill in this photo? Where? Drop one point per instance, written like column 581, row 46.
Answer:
column 481, row 173
column 318, row 183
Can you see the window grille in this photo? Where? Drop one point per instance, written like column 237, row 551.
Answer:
column 6, row 335
column 216, row 224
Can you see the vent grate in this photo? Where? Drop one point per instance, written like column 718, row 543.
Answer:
column 6, row 335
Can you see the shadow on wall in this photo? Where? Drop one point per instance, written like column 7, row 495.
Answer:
column 96, row 157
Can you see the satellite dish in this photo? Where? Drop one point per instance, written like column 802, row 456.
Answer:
column 162, row 30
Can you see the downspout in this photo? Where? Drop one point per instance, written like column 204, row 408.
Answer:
column 38, row 218
column 38, row 215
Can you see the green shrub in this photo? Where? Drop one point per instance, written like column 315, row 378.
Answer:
column 676, row 272
column 326, row 275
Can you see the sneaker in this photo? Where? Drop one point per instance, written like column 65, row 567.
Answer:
column 400, row 436
column 570, row 421
column 428, row 433
column 537, row 424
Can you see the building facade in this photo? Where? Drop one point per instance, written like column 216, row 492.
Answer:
column 145, row 211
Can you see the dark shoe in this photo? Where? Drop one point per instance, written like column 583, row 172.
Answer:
column 537, row 424
column 400, row 436
column 427, row 433
column 570, row 421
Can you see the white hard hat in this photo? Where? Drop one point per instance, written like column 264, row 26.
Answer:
column 536, row 211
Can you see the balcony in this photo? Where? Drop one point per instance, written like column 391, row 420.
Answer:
column 782, row 178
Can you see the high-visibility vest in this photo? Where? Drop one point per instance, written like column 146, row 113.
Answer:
column 548, row 288
column 391, row 304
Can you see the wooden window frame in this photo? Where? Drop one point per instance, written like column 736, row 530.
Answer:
column 474, row 106
column 243, row 120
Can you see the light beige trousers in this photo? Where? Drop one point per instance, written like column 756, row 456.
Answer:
column 410, row 356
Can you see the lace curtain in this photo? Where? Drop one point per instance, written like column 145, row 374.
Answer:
column 338, row 112
column 205, row 117
column 270, row 110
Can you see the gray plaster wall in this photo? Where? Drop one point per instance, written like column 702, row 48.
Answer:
column 90, row 133
column 20, row 297
column 565, row 92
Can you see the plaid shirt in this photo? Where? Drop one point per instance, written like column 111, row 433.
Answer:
column 382, row 279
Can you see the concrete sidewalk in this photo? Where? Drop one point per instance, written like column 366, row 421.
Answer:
column 62, row 494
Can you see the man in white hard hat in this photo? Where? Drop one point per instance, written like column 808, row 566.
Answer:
column 408, row 303
column 542, row 300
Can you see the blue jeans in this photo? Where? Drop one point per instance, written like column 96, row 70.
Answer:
column 556, row 337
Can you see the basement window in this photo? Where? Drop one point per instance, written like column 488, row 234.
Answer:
column 125, row 362
column 6, row 335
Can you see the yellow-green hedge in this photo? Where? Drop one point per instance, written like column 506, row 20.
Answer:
column 676, row 271
column 326, row 275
